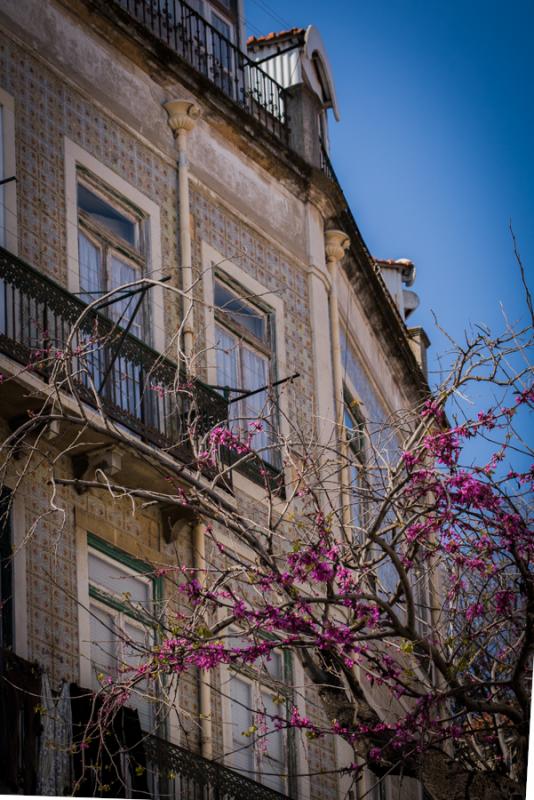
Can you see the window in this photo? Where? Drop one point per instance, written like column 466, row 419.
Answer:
column 8, row 169
column 6, row 571
column 112, row 252
column 222, row 55
column 243, row 340
column 2, row 176
column 216, row 18
column 207, row 39
column 354, row 439
column 257, row 747
column 422, row 597
column 121, row 605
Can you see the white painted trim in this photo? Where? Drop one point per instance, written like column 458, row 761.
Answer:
column 84, row 619
column 301, row 743
column 7, row 102
column 76, row 155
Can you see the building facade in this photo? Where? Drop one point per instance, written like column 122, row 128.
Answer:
column 149, row 139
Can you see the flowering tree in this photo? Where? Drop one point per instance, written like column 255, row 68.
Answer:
column 407, row 596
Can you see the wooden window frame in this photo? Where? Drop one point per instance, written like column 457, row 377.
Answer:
column 109, row 244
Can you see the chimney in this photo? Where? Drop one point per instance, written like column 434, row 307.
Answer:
column 397, row 274
column 419, row 344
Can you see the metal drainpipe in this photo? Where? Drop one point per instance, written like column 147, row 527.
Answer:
column 336, row 243
column 204, row 688
column 183, row 115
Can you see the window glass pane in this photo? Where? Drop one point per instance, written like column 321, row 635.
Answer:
column 135, row 649
column 353, row 430
column 274, row 667
column 105, row 214
column 255, row 369
column 272, row 760
column 239, row 311
column 255, row 374
column 386, row 572
column 121, row 311
column 2, row 188
column 221, row 26
column 356, row 500
column 90, row 269
column 110, row 577
column 242, row 720
column 103, row 643
column 196, row 5
column 226, row 346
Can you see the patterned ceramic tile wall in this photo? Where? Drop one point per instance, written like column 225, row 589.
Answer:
column 47, row 110
column 52, row 612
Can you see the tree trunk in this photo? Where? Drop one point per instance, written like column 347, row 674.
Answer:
column 445, row 779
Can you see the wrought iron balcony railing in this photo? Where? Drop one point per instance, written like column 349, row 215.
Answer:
column 141, row 389
column 172, row 772
column 326, row 165
column 215, row 57
column 179, row 774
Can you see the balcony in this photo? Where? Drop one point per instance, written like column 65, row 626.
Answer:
column 182, row 775
column 136, row 386
column 167, row 771
column 215, row 57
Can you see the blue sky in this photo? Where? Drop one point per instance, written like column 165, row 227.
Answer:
column 435, row 148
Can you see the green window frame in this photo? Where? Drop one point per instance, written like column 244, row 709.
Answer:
column 121, row 611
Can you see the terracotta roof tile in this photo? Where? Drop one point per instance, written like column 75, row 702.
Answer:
column 275, row 36
column 394, row 262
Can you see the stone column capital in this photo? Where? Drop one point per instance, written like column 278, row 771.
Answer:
column 336, row 243
column 183, row 115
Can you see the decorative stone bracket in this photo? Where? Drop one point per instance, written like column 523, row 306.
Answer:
column 176, row 521
column 85, row 465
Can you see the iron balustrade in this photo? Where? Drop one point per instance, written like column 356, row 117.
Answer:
column 143, row 391
column 326, row 165
column 215, row 57
column 173, row 773
column 179, row 774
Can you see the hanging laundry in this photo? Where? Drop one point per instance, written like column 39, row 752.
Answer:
column 54, row 773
